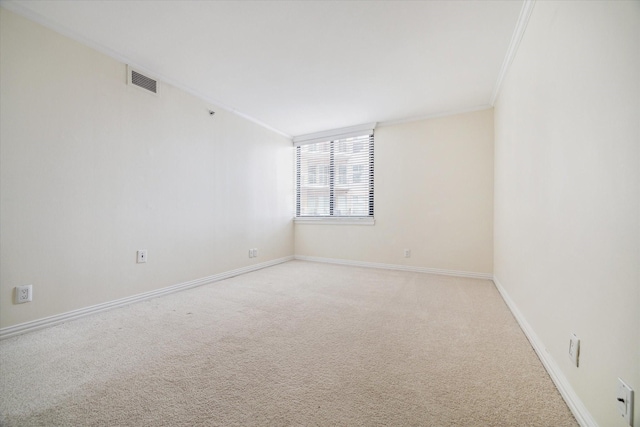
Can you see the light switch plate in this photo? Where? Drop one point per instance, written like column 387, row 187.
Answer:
column 624, row 397
column 574, row 349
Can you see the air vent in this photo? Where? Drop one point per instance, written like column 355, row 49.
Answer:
column 135, row 78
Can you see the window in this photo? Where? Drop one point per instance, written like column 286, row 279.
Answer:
column 334, row 176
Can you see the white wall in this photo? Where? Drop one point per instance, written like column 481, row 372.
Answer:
column 567, row 192
column 93, row 170
column 433, row 195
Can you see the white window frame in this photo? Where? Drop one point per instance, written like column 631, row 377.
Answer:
column 332, row 137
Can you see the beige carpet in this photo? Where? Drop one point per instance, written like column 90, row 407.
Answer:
column 298, row 344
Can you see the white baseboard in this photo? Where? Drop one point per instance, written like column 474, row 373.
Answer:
column 396, row 267
column 569, row 395
column 75, row 314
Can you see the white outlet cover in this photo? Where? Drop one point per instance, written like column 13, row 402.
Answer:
column 624, row 400
column 574, row 349
column 250, row 253
column 24, row 294
column 255, row 252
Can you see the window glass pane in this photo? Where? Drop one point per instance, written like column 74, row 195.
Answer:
column 324, row 175
column 342, row 175
column 313, row 172
column 358, row 171
column 335, row 178
column 341, row 208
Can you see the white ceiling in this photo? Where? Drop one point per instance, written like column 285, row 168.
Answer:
column 305, row 66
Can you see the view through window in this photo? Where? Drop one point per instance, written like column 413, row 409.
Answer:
column 335, row 178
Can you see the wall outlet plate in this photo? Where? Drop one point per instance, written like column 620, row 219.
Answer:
column 574, row 349
column 141, row 256
column 624, row 398
column 23, row 294
column 407, row 253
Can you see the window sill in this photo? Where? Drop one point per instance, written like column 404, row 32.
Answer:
column 335, row 221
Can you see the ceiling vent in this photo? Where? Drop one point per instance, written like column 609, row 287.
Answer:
column 138, row 79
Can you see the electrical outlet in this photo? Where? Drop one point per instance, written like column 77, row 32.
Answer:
column 624, row 397
column 24, row 294
column 407, row 253
column 574, row 349
column 250, row 253
column 255, row 252
column 142, row 256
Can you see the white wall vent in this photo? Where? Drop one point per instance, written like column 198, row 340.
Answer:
column 138, row 79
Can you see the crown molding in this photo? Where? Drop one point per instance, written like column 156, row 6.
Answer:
column 334, row 134
column 15, row 7
column 518, row 32
column 525, row 12
column 435, row 115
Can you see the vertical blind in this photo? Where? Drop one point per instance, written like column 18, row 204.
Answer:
column 334, row 178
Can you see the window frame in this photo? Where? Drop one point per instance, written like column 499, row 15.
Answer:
column 336, row 144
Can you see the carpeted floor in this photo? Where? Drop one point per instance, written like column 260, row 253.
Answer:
column 298, row 344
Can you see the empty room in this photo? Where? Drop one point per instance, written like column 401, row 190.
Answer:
column 319, row 213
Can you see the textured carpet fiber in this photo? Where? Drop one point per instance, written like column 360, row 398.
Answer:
column 300, row 344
